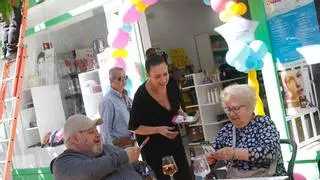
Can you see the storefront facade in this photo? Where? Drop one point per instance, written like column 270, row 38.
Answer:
column 70, row 30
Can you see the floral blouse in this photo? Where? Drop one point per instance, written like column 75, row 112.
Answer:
column 260, row 137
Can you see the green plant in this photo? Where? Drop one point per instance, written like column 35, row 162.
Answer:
column 5, row 9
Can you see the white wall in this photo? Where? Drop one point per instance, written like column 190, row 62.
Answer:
column 173, row 24
column 49, row 9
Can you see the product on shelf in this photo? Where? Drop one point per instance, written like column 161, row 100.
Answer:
column 178, row 58
column 195, row 134
column 213, row 95
column 221, row 117
column 188, row 81
column 91, row 87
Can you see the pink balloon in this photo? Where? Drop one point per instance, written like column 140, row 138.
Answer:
column 121, row 63
column 131, row 15
column 149, row 2
column 218, row 5
column 119, row 40
column 298, row 176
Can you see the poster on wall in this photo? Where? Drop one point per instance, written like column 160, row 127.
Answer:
column 292, row 24
column 292, row 84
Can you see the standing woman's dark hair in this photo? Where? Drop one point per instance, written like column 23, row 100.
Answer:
column 153, row 61
column 151, row 52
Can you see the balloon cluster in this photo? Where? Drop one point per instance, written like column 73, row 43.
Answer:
column 226, row 8
column 245, row 53
column 245, row 57
column 120, row 27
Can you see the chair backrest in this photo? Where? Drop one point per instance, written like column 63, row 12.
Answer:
column 51, row 165
column 293, row 155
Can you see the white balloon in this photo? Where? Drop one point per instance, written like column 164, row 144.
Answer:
column 105, row 58
column 310, row 53
column 114, row 23
column 238, row 29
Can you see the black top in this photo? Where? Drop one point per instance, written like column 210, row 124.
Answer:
column 147, row 111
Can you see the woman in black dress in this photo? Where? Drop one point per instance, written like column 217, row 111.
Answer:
column 155, row 103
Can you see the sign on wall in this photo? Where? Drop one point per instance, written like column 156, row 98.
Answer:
column 292, row 24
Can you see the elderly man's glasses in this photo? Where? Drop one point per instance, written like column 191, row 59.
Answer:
column 234, row 109
column 122, row 78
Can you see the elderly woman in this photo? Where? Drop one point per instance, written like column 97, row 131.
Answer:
column 249, row 145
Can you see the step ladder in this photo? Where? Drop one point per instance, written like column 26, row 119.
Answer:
column 10, row 98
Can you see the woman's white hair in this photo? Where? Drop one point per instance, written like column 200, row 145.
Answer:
column 245, row 93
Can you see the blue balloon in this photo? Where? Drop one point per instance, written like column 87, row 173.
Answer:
column 207, row 2
column 127, row 27
column 128, row 86
column 241, row 68
column 260, row 64
column 238, row 53
column 230, row 59
column 259, row 49
column 251, row 63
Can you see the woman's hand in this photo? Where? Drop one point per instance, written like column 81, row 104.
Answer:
column 182, row 113
column 166, row 131
column 226, row 153
column 211, row 160
column 185, row 115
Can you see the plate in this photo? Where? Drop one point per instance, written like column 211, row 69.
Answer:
column 179, row 119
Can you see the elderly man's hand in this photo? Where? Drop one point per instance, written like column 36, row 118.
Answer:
column 226, row 153
column 124, row 142
column 133, row 153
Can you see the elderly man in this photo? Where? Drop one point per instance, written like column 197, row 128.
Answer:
column 114, row 110
column 87, row 159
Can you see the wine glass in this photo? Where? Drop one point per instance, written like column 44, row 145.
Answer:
column 200, row 166
column 169, row 166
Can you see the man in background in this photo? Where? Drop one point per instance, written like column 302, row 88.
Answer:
column 11, row 31
column 115, row 111
column 87, row 159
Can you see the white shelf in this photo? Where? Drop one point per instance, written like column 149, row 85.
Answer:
column 28, row 109
column 219, row 49
column 220, row 82
column 188, row 87
column 94, row 94
column 33, row 128
column 208, row 111
column 91, row 101
column 194, row 144
column 216, row 123
column 300, row 112
column 192, row 106
column 209, row 104
column 194, row 125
